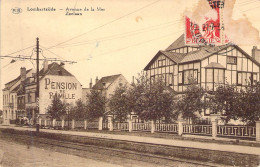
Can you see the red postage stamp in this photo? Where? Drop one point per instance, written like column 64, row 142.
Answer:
column 211, row 32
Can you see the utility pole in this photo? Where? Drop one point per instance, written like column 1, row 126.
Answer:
column 37, row 83
column 37, row 70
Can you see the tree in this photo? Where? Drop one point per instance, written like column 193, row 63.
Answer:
column 96, row 105
column 118, row 103
column 57, row 109
column 79, row 111
column 190, row 104
column 248, row 106
column 158, row 101
column 224, row 101
column 153, row 100
column 135, row 94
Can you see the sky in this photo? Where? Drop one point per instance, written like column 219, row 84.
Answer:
column 119, row 39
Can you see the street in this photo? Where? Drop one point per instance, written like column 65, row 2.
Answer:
column 13, row 154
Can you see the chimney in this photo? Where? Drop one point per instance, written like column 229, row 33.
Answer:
column 104, row 85
column 256, row 53
column 23, row 73
column 62, row 64
column 96, row 80
column 90, row 83
column 45, row 65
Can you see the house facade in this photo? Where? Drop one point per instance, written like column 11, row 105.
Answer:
column 19, row 95
column 108, row 84
column 207, row 66
column 12, row 103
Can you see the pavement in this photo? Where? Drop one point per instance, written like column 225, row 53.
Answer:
column 151, row 140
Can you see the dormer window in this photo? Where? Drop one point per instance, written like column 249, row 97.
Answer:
column 231, row 60
column 161, row 63
column 104, row 84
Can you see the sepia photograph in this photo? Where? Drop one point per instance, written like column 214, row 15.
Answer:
column 129, row 83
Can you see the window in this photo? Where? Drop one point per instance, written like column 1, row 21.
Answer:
column 180, row 78
column 190, row 76
column 245, row 78
column 231, row 60
column 215, row 76
column 29, row 98
column 161, row 62
column 170, row 79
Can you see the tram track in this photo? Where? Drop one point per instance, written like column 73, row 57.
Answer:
column 83, row 147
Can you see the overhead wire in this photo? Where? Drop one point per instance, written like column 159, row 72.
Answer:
column 17, row 51
column 117, row 36
column 107, row 23
column 140, row 43
column 51, row 52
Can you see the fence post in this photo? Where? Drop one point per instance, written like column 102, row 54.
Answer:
column 54, row 122
column 110, row 121
column 62, row 123
column 100, row 121
column 130, row 125
column 73, row 124
column 85, row 124
column 214, row 122
column 180, row 127
column 257, row 128
column 152, row 126
column 214, row 128
column 40, row 121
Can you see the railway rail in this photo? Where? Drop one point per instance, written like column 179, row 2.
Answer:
column 81, row 148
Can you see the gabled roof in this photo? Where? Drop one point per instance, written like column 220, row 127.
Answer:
column 179, row 43
column 175, row 57
column 14, row 81
column 18, row 78
column 16, row 88
column 108, row 80
column 203, row 53
column 55, row 69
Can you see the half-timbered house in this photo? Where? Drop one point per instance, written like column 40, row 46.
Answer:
column 207, row 66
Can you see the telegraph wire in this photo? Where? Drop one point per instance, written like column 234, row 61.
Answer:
column 118, row 36
column 17, row 51
column 52, row 52
column 109, row 22
column 164, row 36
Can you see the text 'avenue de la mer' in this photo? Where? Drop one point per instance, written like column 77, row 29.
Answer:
column 79, row 11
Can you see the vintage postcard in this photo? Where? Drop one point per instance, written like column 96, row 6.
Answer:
column 129, row 83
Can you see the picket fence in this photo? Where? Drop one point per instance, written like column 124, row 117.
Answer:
column 228, row 131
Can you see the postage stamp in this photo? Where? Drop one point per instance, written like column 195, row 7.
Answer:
column 211, row 32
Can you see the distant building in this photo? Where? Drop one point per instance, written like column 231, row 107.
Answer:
column 19, row 94
column 11, row 106
column 108, row 84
